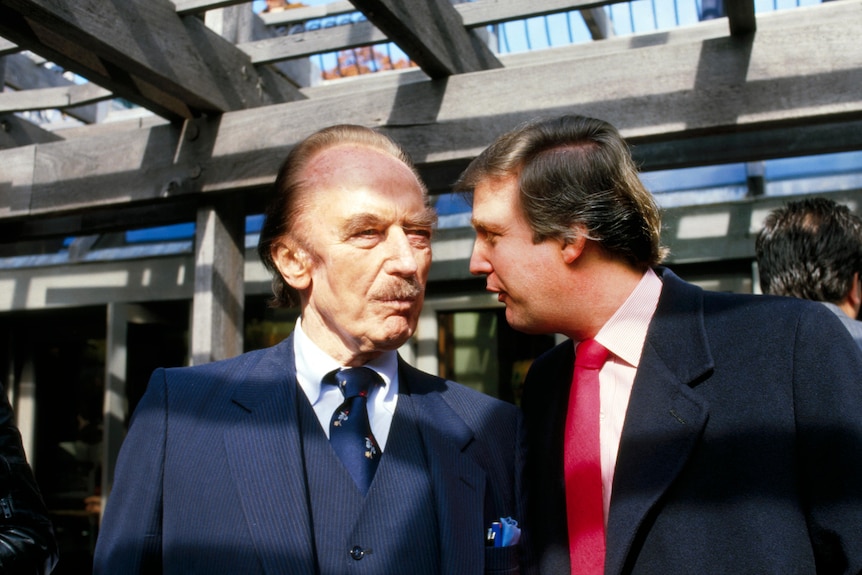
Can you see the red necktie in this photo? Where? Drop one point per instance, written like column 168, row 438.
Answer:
column 583, row 466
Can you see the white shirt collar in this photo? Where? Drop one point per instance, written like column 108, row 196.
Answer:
column 312, row 363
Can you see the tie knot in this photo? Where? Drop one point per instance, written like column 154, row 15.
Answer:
column 590, row 354
column 354, row 381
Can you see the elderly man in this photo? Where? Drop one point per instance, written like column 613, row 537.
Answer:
column 678, row 430
column 325, row 453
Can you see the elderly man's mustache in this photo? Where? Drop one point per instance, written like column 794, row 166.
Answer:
column 408, row 289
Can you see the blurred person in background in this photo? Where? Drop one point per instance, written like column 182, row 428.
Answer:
column 812, row 249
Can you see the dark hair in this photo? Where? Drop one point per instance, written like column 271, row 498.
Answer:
column 573, row 172
column 292, row 192
column 810, row 249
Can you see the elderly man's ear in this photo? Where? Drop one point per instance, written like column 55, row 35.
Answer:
column 293, row 263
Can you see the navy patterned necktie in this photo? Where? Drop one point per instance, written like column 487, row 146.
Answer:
column 349, row 430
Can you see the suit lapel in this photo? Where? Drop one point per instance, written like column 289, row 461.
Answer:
column 457, row 479
column 265, row 458
column 665, row 418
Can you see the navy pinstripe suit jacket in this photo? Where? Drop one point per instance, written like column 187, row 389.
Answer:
column 209, row 478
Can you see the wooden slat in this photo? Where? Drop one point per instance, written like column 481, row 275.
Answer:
column 16, row 131
column 432, row 34
column 7, row 47
column 109, row 219
column 140, row 50
column 49, row 98
column 334, row 38
column 802, row 68
column 305, row 13
column 312, row 42
column 740, row 14
column 16, row 183
column 25, row 72
column 80, row 173
column 473, row 14
column 195, row 6
column 598, row 23
column 485, row 12
column 728, row 148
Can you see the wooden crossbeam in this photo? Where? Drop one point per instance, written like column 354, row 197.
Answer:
column 312, row 42
column 798, row 73
column 25, row 72
column 474, row 15
column 432, row 34
column 197, row 6
column 143, row 51
column 740, row 15
column 7, row 47
column 50, row 98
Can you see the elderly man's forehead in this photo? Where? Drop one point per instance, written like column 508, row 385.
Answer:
column 349, row 156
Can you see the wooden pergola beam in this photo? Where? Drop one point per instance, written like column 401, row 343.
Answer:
column 649, row 156
column 740, row 14
column 25, row 72
column 15, row 132
column 7, row 47
column 143, row 51
column 473, row 15
column 484, row 12
column 311, row 42
column 432, row 34
column 800, row 71
column 196, row 6
column 305, row 13
column 50, row 98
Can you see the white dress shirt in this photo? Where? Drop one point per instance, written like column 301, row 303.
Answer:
column 312, row 364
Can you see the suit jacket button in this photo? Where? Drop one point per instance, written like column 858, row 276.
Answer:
column 357, row 552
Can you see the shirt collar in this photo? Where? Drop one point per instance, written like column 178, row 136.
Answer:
column 312, row 363
column 625, row 332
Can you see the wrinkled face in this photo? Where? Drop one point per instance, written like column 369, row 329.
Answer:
column 524, row 275
column 368, row 230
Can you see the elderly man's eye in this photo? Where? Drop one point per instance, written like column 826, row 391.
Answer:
column 420, row 232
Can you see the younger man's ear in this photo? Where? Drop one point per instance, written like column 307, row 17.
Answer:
column 573, row 247
column 293, row 263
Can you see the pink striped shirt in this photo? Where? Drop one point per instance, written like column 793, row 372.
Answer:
column 624, row 336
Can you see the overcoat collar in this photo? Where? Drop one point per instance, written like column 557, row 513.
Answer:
column 665, row 417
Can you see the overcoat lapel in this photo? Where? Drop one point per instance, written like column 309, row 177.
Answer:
column 457, row 479
column 665, row 418
column 264, row 452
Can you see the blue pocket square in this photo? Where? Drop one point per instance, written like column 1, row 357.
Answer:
column 511, row 531
column 503, row 533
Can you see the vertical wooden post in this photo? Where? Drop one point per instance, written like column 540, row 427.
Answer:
column 116, row 405
column 25, row 409
column 217, row 309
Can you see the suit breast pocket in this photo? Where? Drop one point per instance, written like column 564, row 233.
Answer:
column 502, row 560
